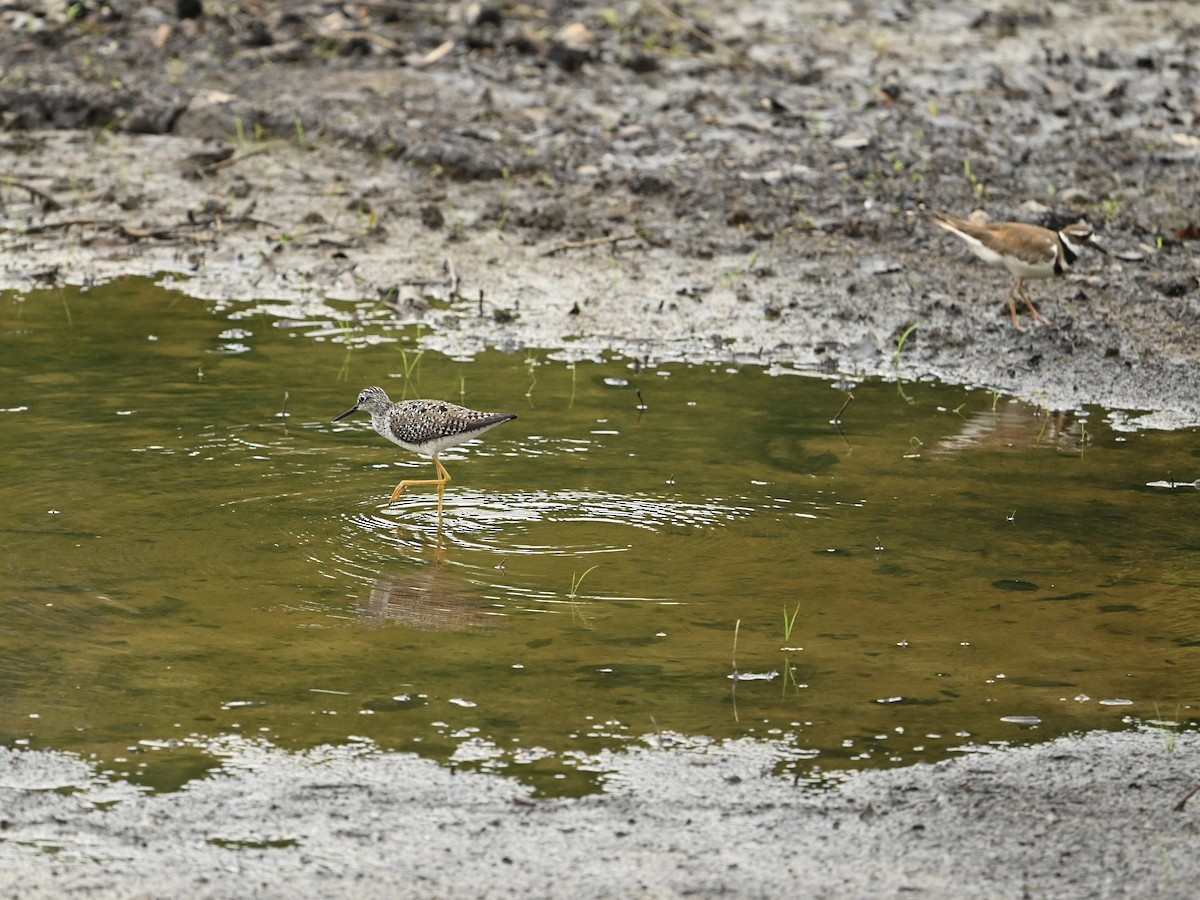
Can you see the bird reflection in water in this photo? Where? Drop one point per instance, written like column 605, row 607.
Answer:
column 428, row 598
column 1018, row 426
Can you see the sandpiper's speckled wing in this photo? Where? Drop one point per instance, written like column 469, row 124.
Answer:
column 430, row 426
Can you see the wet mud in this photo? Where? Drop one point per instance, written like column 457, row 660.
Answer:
column 1096, row 816
column 725, row 181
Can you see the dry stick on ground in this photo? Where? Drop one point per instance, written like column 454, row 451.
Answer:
column 49, row 204
column 437, row 53
column 377, row 39
column 694, row 31
column 61, row 223
column 169, row 234
column 323, row 241
column 593, row 242
column 1186, row 797
column 420, row 282
column 190, row 229
column 234, row 160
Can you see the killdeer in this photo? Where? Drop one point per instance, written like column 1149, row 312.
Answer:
column 1027, row 251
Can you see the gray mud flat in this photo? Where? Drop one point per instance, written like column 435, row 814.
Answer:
column 740, row 185
column 1087, row 817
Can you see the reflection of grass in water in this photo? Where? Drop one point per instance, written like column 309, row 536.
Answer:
column 577, row 580
column 789, row 671
column 347, row 333
column 531, row 363
column 410, row 367
column 1043, row 411
column 572, row 595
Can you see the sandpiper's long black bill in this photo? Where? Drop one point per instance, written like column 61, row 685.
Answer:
column 352, row 409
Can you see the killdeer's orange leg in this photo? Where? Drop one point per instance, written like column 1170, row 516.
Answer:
column 1037, row 316
column 1012, row 304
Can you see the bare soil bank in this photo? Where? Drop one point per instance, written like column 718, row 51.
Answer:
column 733, row 183
column 1090, row 817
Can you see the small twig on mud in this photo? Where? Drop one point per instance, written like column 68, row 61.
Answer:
column 54, row 226
column 1186, row 797
column 48, row 203
column 196, row 165
column 452, row 273
column 694, row 31
column 420, row 282
column 190, row 230
column 377, row 39
column 234, row 160
column 592, row 242
column 325, row 241
column 251, row 220
column 437, row 53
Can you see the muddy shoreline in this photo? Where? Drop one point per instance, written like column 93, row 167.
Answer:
column 738, row 186
column 709, row 183
column 1083, row 817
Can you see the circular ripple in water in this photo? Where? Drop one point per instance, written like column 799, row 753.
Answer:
column 535, row 522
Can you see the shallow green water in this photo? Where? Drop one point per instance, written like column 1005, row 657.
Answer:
column 189, row 555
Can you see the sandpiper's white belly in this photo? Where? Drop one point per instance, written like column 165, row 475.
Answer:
column 432, row 447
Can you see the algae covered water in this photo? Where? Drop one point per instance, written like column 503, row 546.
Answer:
column 689, row 552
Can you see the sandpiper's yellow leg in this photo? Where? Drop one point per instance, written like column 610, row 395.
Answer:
column 444, row 479
column 441, row 481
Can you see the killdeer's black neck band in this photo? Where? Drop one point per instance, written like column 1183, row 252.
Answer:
column 1066, row 256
